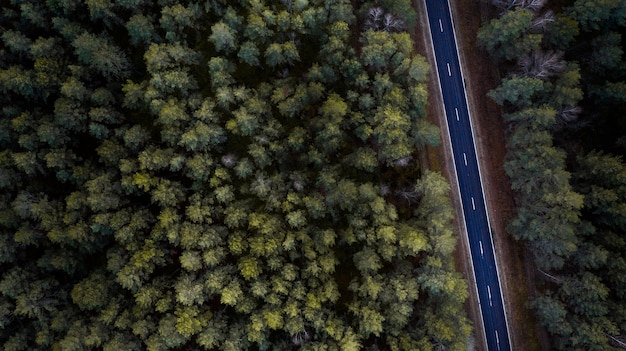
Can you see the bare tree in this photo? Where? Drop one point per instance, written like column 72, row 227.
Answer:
column 532, row 5
column 385, row 189
column 374, row 18
column 541, row 22
column 542, row 64
column 377, row 19
column 403, row 161
column 506, row 5
column 392, row 24
column 408, row 193
column 300, row 338
column 229, row 160
column 570, row 113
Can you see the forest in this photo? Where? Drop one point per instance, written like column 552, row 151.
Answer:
column 235, row 175
column 563, row 97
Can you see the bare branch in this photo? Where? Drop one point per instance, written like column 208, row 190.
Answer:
column 506, row 5
column 300, row 338
column 378, row 20
column 534, row 5
column 541, row 22
column 403, row 161
column 392, row 24
column 408, row 193
column 229, row 160
column 542, row 64
column 618, row 341
column 570, row 113
column 384, row 190
column 374, row 18
column 556, row 279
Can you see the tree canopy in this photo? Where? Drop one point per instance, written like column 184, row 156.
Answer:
column 220, row 176
column 561, row 98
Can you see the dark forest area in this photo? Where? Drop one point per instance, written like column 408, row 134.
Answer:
column 563, row 97
column 221, row 175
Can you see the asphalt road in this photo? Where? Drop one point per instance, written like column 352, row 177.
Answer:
column 467, row 172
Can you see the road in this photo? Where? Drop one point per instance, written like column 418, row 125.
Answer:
column 468, row 175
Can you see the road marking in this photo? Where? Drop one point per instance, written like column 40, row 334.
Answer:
column 440, row 26
column 449, row 71
column 481, row 247
column 497, row 340
column 473, row 204
column 465, row 158
column 456, row 110
column 489, row 292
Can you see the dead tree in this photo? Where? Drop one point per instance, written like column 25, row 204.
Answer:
column 534, row 5
column 374, row 18
column 392, row 24
column 300, row 338
column 570, row 113
column 542, row 64
column 377, row 20
column 531, row 5
column 229, row 160
column 541, row 22
column 403, row 161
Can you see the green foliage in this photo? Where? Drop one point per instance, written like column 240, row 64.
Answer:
column 569, row 196
column 99, row 54
column 562, row 32
column 509, row 37
column 518, row 91
column 178, row 175
column 593, row 15
column 223, row 37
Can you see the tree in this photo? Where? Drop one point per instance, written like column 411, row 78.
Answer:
column 562, row 31
column 391, row 134
column 607, row 52
column 610, row 93
column 536, row 118
column 223, row 37
column 594, row 15
column 542, row 65
column 141, row 30
column 508, row 37
column 518, row 91
column 552, row 313
column 98, row 53
column 249, row 53
column 174, row 19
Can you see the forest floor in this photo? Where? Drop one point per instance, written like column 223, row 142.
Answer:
column 514, row 261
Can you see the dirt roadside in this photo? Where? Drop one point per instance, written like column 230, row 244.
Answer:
column 516, row 277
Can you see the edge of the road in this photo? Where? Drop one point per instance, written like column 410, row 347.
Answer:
column 480, row 174
column 446, row 130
